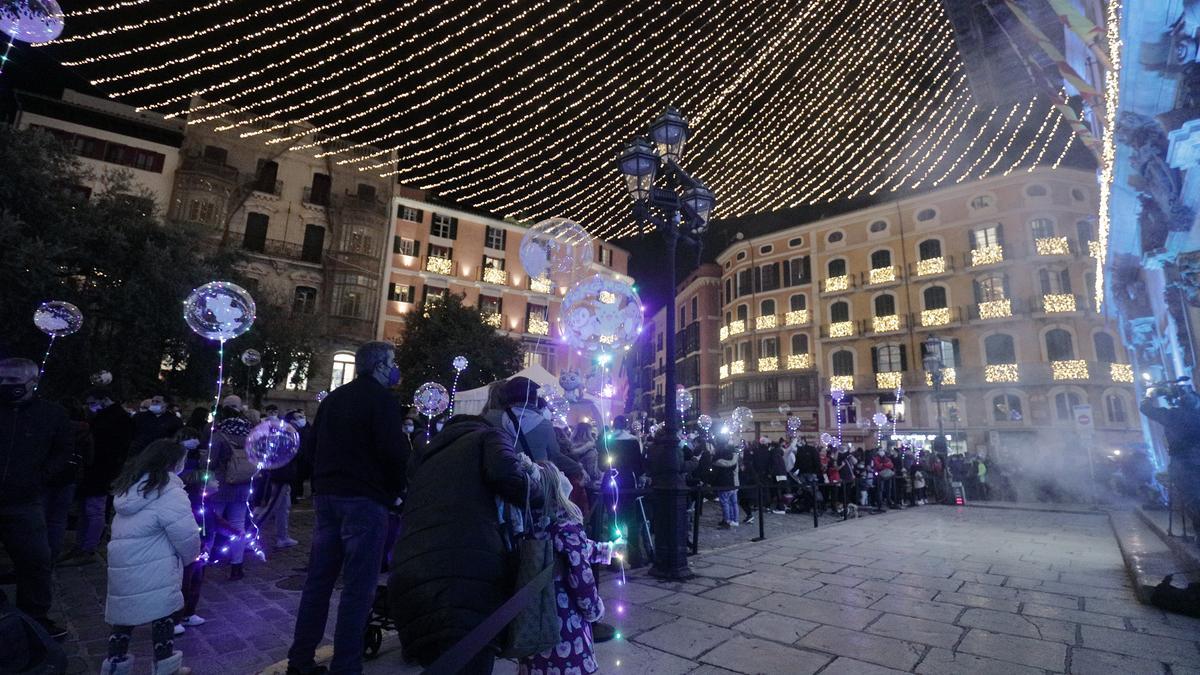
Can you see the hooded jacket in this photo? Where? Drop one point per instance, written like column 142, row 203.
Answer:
column 153, row 537
column 451, row 566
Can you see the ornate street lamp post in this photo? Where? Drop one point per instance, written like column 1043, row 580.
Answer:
column 678, row 207
column 934, row 365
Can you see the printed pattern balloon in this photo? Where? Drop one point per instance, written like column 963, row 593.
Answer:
column 556, row 248
column 272, row 444
column 601, row 314
column 31, row 20
column 57, row 318
column 431, row 399
column 251, row 357
column 219, row 310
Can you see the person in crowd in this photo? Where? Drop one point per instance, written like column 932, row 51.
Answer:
column 233, row 472
column 748, row 481
column 36, row 443
column 885, row 471
column 630, row 467
column 981, row 478
column 806, row 471
column 274, row 504
column 153, row 423
column 112, row 432
column 60, row 489
column 198, row 421
column 521, row 416
column 725, row 476
column 584, row 451
column 192, row 476
column 777, row 477
column 579, row 604
column 358, row 474
column 451, row 565
column 153, row 538
column 919, row 484
column 271, row 412
column 252, row 416
column 580, row 481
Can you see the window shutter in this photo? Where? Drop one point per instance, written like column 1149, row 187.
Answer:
column 757, row 279
column 432, row 227
column 807, row 269
column 787, row 273
column 416, row 249
column 1000, row 233
column 957, row 356
column 1066, row 280
column 1004, row 280
column 978, row 292
column 903, row 358
column 454, row 228
column 971, row 240
column 503, row 238
column 874, row 359
column 412, row 293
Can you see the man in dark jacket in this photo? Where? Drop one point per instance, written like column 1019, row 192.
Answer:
column 36, row 442
column 451, row 567
column 153, row 423
column 112, row 432
column 358, row 472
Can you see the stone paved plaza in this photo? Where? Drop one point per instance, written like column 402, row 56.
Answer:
column 927, row 590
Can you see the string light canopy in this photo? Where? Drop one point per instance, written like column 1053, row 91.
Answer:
column 513, row 107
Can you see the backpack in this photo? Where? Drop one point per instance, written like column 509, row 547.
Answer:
column 238, row 469
column 25, row 647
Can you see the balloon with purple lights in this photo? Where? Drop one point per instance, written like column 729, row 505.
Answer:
column 793, row 425
column 683, row 399
column 321, row 395
column 31, row 20
column 219, row 310
column 704, row 422
column 57, row 318
column 557, row 248
column 431, row 399
column 742, row 416
column 459, row 363
column 601, row 314
column 879, row 419
column 101, row 378
column 272, row 444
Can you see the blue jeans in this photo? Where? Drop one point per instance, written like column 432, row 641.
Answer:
column 348, row 538
column 729, row 505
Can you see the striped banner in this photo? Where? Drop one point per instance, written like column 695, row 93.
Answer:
column 1091, row 34
column 1090, row 94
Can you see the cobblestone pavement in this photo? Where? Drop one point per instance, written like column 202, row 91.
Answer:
column 926, row 590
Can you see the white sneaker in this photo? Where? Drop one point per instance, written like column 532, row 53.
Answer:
column 193, row 620
column 179, row 629
column 734, row 523
column 285, row 543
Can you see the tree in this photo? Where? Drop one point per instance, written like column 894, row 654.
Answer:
column 286, row 343
column 427, row 347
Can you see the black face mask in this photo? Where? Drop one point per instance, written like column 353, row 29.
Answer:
column 12, row 393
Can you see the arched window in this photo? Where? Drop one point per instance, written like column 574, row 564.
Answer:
column 1057, row 281
column 982, row 202
column 839, row 312
column 837, row 267
column 1106, row 349
column 935, row 297
column 1084, row 229
column 343, row 369
column 885, row 305
column 930, row 248
column 798, row 302
column 991, row 287
column 889, row 359
column 800, row 343
column 1042, row 228
column 999, row 349
column 766, row 307
column 742, row 312
column 843, row 362
column 1059, row 346
column 1006, row 408
column 881, row 259
column 1064, row 404
column 1114, row 406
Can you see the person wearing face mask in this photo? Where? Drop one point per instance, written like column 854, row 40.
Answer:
column 112, row 432
column 153, row 423
column 36, row 443
column 358, row 473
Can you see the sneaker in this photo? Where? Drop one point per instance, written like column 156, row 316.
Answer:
column 778, row 512
column 749, row 519
column 193, row 620
column 735, row 524
column 285, row 543
column 179, row 629
column 56, row 631
column 78, row 559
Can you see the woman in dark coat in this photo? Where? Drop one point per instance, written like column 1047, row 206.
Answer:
column 451, row 567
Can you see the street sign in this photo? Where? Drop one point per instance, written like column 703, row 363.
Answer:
column 1083, row 419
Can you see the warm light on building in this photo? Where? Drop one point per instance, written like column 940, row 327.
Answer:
column 1052, row 246
column 885, row 324
column 949, row 377
column 538, row 326
column 799, row 361
column 723, row 372
column 888, row 380
column 995, row 309
column 767, row 321
column 493, row 319
column 841, row 329
column 540, row 285
column 931, row 266
column 1069, row 370
column 1121, row 372
column 935, row 317
column 767, row 364
column 491, row 275
column 737, row 367
column 883, row 275
column 987, row 255
column 842, row 382
column 724, row 333
column 833, row 284
column 1001, row 372
column 796, row 317
column 439, row 265
column 1054, row 303
column 1094, row 249
column 737, row 327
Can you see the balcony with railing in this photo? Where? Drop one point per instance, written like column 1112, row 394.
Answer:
column 931, row 267
column 949, row 378
column 841, row 382
column 209, row 167
column 1121, row 372
column 365, row 203
column 837, row 284
column 541, row 284
column 536, row 325
column 1052, row 246
column 493, row 319
column 987, row 255
column 1059, row 303
column 766, row 322
column 992, row 309
column 287, row 250
column 737, row 368
column 997, row 373
column 734, row 328
column 887, row 324
column 881, row 276
column 439, row 265
column 942, row 316
column 799, row 361
column 840, row 329
column 796, row 317
column 268, row 188
column 888, row 380
column 493, row 275
column 723, row 372
column 315, row 197
column 1074, row 369
column 768, row 364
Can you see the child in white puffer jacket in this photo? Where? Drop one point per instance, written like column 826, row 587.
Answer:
column 154, row 536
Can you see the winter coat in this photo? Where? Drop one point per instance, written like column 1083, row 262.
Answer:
column 149, row 427
column 112, row 433
column 36, row 442
column 539, row 435
column 153, row 537
column 725, row 473
column 357, row 447
column 451, row 567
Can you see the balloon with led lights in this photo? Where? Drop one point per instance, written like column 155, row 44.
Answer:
column 31, row 20
column 57, row 318
column 742, row 416
column 102, row 378
column 601, row 314
column 321, row 395
column 431, row 399
column 793, row 425
column 683, row 399
column 272, row 444
column 251, row 357
column 219, row 310
column 705, row 422
column 459, row 363
column 557, row 248
column 879, row 419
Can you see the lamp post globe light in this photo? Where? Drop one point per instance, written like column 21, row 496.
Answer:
column 678, row 207
column 934, row 365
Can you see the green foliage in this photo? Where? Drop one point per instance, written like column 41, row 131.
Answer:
column 286, row 345
column 428, row 345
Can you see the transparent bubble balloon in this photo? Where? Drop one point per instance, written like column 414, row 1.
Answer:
column 251, row 357
column 837, row 395
column 705, row 422
column 321, row 395
column 879, row 419
column 102, row 378
column 742, row 416
column 431, row 399
column 601, row 314
column 459, row 363
column 556, row 248
column 793, row 425
column 219, row 310
column 683, row 399
column 785, row 409
column 31, row 20
column 273, row 443
column 57, row 318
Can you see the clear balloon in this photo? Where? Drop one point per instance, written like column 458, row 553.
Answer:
column 837, row 395
column 272, row 444
column 683, row 399
column 705, row 422
column 321, row 395
column 742, row 416
column 879, row 419
column 102, row 378
column 251, row 357
column 785, row 409
column 601, row 314
column 219, row 310
column 431, row 399
column 57, row 318
column 793, row 425
column 559, row 407
column 556, row 248
column 31, row 20
column 459, row 363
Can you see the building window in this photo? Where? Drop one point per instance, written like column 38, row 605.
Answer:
column 409, row 213
column 605, row 255
column 1078, row 194
column 988, row 235
column 343, row 369
column 999, row 349
column 405, row 246
column 255, row 238
column 741, row 255
column 728, row 292
column 935, row 297
column 925, row 215
column 982, row 202
column 1083, row 229
column 360, row 239
column 769, row 348
column 877, row 226
column 1059, row 346
column 834, row 237
column 743, row 312
column 318, row 192
column 493, row 263
column 495, row 237
column 304, row 300
column 1006, row 408
column 444, row 226
column 797, row 302
column 764, row 250
column 744, row 283
column 401, row 292
column 695, row 308
column 839, row 312
column 837, row 268
column 537, row 320
column 1106, row 349
column 795, row 242
column 881, row 259
column 889, row 359
column 766, row 308
column 800, row 343
column 991, row 288
column 314, row 244
column 947, row 352
column 1037, row 190
column 108, row 151
column 1064, row 404
column 1114, row 405
column 885, row 305
column 354, row 295
column 201, row 211
column 1042, row 228
column 929, row 249
column 1057, row 282
column 265, row 177
column 769, row 277
column 843, row 362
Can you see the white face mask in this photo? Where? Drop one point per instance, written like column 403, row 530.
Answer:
column 408, row 428
column 191, row 443
column 155, row 408
column 299, row 422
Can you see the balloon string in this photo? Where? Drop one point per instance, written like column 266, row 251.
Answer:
column 45, row 358
column 212, row 426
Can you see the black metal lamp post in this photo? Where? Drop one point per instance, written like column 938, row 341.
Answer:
column 679, row 209
column 934, row 365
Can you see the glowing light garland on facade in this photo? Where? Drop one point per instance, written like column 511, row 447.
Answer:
column 737, row 327
column 766, row 321
column 1054, row 303
column 541, row 285
column 841, row 329
column 885, row 324
column 439, row 265
column 796, row 317
column 987, row 255
column 1052, row 246
column 931, row 266
column 1069, row 370
column 995, row 309
column 737, row 368
column 1001, row 372
column 836, row 284
column 883, row 275
column 1121, row 372
column 888, row 380
column 949, row 377
column 841, row 382
column 768, row 364
column 1108, row 153
column 723, row 372
column 935, row 317
column 538, row 326
column 799, row 361
column 492, row 275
